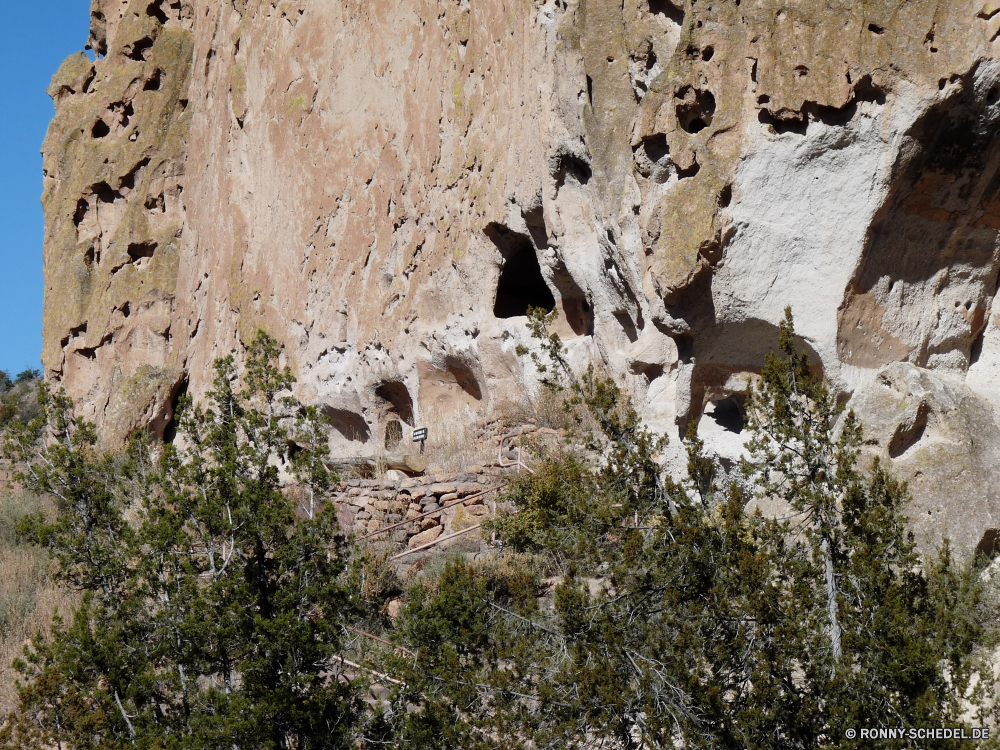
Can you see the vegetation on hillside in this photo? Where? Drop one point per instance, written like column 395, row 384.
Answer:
column 17, row 396
column 624, row 610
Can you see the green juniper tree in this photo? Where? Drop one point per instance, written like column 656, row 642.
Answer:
column 626, row 610
column 871, row 634
column 678, row 618
column 212, row 611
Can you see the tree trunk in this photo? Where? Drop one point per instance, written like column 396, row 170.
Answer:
column 831, row 600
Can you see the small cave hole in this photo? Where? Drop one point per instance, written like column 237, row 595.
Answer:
column 708, row 53
column 992, row 95
column 105, row 193
column 395, row 393
column 169, row 433
column 780, row 127
column 567, row 167
column 153, row 10
column 128, row 112
column 138, row 252
column 650, row 58
column 656, row 147
column 156, row 204
column 989, row 545
column 684, row 174
column 126, row 310
column 876, row 29
column 668, row 10
column 763, row 99
column 129, row 180
column 695, row 109
column 801, row 71
column 868, row 91
column 82, row 206
column 590, row 90
column 153, row 82
column 100, row 129
column 139, row 49
column 726, row 196
column 393, row 434
column 579, row 315
column 89, row 256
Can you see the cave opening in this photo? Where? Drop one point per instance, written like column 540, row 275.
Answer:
column 139, row 49
column 668, row 9
column 166, row 427
column 521, row 284
column 139, row 251
column 399, row 399
column 728, row 413
column 155, row 11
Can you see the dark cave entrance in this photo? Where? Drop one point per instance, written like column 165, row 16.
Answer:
column 521, row 283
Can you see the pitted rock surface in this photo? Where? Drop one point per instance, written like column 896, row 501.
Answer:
column 386, row 188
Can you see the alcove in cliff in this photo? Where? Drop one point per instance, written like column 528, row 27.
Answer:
column 521, row 284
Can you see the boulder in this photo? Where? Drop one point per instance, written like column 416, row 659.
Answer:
column 425, row 537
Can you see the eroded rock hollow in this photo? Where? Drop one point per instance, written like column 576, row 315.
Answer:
column 386, row 188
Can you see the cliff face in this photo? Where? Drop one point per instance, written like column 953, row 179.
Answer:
column 386, row 186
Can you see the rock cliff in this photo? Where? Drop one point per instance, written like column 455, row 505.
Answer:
column 387, row 186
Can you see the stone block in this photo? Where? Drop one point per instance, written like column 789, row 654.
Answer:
column 424, row 537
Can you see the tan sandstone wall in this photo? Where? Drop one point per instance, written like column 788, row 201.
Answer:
column 385, row 186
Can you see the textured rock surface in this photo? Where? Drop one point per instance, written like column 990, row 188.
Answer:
column 386, row 186
column 944, row 440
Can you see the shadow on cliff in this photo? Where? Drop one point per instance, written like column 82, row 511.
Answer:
column 936, row 229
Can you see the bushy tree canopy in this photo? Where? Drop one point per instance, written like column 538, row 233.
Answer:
column 212, row 605
column 625, row 609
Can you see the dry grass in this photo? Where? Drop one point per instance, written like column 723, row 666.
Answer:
column 548, row 409
column 28, row 596
column 452, row 443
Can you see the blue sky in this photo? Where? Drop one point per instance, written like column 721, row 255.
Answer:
column 40, row 34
